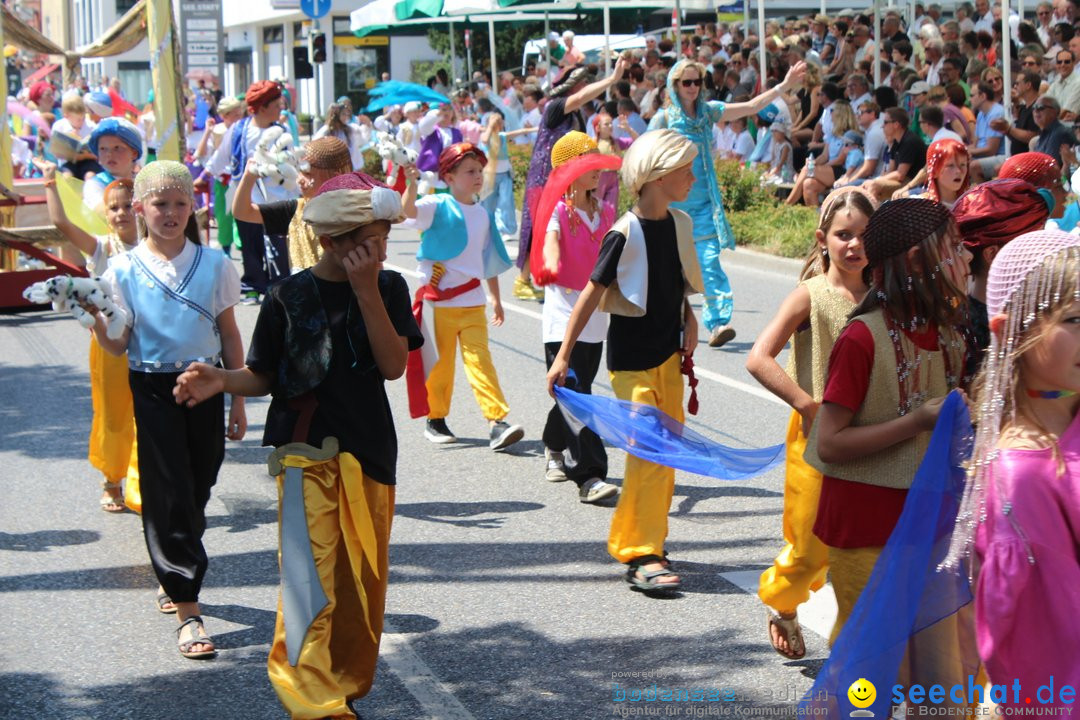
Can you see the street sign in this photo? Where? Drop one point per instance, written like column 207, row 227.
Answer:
column 315, row 9
column 201, row 33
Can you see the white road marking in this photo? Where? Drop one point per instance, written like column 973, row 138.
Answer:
column 817, row 614
column 436, row 699
column 698, row 370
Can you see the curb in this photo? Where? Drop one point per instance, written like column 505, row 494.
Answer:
column 746, row 257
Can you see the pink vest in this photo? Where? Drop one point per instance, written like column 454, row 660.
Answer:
column 579, row 246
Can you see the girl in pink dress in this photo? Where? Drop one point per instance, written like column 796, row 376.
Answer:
column 1021, row 508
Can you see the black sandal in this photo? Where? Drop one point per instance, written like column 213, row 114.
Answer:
column 647, row 582
column 196, row 639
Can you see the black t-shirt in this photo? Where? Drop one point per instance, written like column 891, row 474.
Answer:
column 277, row 216
column 909, row 149
column 1052, row 138
column 1026, row 121
column 640, row 343
column 555, row 114
column 351, row 400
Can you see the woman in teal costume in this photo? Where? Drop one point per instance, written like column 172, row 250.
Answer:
column 689, row 114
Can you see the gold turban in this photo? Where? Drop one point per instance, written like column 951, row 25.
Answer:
column 569, row 146
column 653, row 155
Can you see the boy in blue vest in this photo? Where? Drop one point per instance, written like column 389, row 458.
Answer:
column 326, row 341
column 460, row 245
column 262, row 264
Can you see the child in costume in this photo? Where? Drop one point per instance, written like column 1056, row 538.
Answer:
column 568, row 254
column 178, row 297
column 118, row 147
column 1021, row 508
column 834, row 282
column 112, row 432
column 231, row 110
column 437, row 132
column 889, row 371
column 336, row 447
column 459, row 246
column 988, row 216
column 608, row 189
column 646, row 268
column 324, row 158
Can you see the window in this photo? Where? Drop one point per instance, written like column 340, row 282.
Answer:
column 122, row 6
column 135, row 81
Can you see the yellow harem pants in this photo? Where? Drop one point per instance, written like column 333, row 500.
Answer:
column 469, row 324
column 941, row 654
column 801, row 566
column 349, row 517
column 112, row 432
column 640, row 523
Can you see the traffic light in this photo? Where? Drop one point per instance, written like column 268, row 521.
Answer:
column 318, row 47
column 301, row 64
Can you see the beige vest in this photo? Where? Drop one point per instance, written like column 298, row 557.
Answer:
column 811, row 345
column 894, row 466
column 628, row 293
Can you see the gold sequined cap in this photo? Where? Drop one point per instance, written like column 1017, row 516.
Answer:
column 162, row 175
column 569, row 146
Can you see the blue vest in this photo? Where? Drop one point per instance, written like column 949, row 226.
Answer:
column 448, row 236
column 104, row 177
column 173, row 327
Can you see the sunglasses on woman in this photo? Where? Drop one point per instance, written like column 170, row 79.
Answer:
column 690, row 83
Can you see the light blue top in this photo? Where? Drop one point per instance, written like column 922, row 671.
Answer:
column 448, row 236
column 172, row 327
column 983, row 131
column 704, row 204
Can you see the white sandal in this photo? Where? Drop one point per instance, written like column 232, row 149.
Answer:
column 790, row 630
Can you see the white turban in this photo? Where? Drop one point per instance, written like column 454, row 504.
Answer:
column 654, row 155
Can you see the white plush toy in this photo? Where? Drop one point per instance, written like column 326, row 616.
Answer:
column 394, row 155
column 276, row 159
column 66, row 294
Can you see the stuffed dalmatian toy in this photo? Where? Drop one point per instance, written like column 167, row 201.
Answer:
column 276, row 159
column 69, row 294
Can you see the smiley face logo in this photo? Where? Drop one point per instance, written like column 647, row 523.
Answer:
column 862, row 693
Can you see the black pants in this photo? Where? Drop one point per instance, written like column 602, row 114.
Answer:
column 180, row 452
column 263, row 266
column 583, row 450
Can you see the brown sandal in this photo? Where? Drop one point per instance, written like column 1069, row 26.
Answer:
column 788, row 630
column 198, row 637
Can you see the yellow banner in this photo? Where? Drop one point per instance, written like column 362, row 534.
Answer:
column 164, row 71
column 367, row 41
column 6, row 170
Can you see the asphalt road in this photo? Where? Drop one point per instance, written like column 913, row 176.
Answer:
column 503, row 602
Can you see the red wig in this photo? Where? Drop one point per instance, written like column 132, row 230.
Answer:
column 937, row 155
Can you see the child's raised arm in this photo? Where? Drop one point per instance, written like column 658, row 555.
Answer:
column 762, row 364
column 84, row 241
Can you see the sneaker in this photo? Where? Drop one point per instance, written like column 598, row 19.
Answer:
column 250, row 298
column 504, row 435
column 524, row 290
column 720, row 335
column 556, row 466
column 437, row 432
column 595, row 490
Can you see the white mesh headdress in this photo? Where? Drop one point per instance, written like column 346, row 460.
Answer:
column 1027, row 279
column 163, row 175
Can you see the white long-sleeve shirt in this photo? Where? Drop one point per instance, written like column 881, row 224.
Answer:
column 221, row 164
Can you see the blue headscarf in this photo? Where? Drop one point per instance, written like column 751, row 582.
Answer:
column 697, row 129
column 119, row 128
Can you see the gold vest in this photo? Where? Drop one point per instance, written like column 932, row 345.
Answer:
column 894, row 466
column 304, row 248
column 811, row 345
column 613, row 301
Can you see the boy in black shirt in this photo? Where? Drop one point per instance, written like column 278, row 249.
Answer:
column 326, row 340
column 646, row 269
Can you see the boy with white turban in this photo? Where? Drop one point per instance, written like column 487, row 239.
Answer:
column 326, row 340
column 646, row 270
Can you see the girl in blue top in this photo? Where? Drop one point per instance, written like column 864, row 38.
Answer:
column 178, row 298
column 689, row 114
